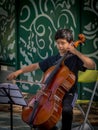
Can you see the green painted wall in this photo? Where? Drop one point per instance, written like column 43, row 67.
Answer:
column 89, row 27
column 7, row 32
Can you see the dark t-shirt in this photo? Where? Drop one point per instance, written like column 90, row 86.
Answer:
column 72, row 62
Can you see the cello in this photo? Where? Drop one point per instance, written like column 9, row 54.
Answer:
column 44, row 109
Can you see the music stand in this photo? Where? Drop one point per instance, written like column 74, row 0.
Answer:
column 10, row 94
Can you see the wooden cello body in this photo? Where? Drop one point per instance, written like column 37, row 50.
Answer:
column 50, row 105
column 44, row 111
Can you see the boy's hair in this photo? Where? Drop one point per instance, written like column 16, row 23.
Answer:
column 64, row 34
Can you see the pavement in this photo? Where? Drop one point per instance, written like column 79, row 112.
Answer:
column 14, row 122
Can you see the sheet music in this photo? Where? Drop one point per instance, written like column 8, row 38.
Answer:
column 12, row 90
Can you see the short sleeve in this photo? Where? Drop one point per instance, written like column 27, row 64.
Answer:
column 80, row 65
column 44, row 65
column 49, row 62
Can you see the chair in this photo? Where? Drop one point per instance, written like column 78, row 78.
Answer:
column 83, row 78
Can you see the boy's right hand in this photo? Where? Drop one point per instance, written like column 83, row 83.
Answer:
column 12, row 75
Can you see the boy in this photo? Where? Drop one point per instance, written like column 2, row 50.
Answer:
column 75, row 61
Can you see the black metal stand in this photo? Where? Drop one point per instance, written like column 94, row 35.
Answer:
column 11, row 106
column 10, row 94
column 11, row 116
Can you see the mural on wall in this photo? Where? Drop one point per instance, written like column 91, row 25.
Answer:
column 7, row 32
column 90, row 30
column 38, row 22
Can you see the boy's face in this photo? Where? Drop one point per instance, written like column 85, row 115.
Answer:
column 62, row 45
